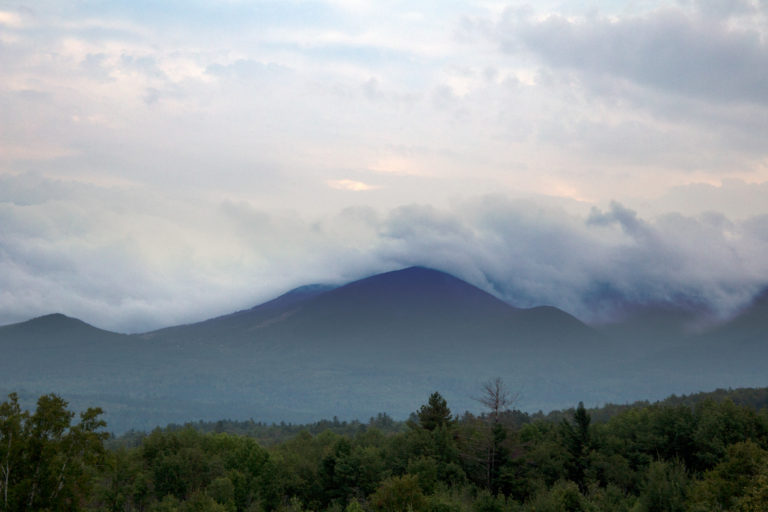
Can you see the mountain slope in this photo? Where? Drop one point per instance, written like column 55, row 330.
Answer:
column 741, row 344
column 381, row 343
column 405, row 310
column 252, row 319
column 749, row 327
column 50, row 328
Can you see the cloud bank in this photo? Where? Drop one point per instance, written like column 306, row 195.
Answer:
column 164, row 163
column 131, row 260
column 281, row 102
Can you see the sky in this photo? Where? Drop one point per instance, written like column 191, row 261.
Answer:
column 166, row 162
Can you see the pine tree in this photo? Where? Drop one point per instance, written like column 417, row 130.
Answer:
column 435, row 413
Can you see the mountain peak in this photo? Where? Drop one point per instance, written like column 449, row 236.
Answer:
column 59, row 322
column 414, row 288
column 416, row 274
column 54, row 320
column 418, row 269
column 55, row 327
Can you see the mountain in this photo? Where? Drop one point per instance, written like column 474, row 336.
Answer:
column 646, row 329
column 381, row 343
column 750, row 326
column 415, row 328
column 411, row 309
column 738, row 345
column 728, row 354
column 58, row 341
column 48, row 327
column 236, row 323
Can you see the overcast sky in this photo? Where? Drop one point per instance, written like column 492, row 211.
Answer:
column 164, row 162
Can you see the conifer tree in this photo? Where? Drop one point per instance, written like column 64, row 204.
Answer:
column 435, row 413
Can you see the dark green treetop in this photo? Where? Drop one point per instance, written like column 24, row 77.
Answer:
column 434, row 413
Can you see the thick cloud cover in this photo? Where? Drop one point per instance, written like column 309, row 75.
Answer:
column 302, row 103
column 720, row 54
column 166, row 162
column 130, row 260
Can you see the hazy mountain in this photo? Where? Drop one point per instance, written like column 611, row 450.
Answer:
column 405, row 312
column 44, row 331
column 645, row 329
column 740, row 345
column 378, row 344
column 750, row 326
column 58, row 345
column 244, row 321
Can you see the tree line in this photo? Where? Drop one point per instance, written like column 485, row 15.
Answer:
column 686, row 456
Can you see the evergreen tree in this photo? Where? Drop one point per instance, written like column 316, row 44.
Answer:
column 577, row 442
column 435, row 413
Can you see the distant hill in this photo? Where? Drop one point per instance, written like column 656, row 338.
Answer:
column 54, row 347
column 754, row 398
column 272, row 433
column 44, row 330
column 377, row 344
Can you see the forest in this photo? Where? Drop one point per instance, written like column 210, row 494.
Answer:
column 699, row 453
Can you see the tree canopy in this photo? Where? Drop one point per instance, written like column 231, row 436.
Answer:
column 709, row 455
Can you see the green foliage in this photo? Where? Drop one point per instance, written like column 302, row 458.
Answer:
column 487, row 502
column 350, row 472
column 354, row 506
column 270, row 434
column 397, row 494
column 435, row 413
column 577, row 441
column 730, row 480
column 222, row 491
column 721, row 424
column 47, row 462
column 213, row 471
column 755, row 498
column 425, row 469
column 665, row 488
column 544, row 455
column 611, row 498
column 564, row 496
column 710, row 456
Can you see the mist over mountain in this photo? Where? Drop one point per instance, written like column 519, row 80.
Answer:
column 216, row 258
column 377, row 344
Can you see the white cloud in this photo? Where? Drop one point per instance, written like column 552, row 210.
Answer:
column 671, row 49
column 198, row 152
column 354, row 186
column 10, row 19
column 129, row 259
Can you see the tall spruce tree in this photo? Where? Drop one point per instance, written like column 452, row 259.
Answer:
column 435, row 413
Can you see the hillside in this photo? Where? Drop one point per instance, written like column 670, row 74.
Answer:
column 368, row 346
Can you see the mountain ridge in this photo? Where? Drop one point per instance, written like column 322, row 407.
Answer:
column 377, row 340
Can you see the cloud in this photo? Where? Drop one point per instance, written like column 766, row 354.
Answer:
column 10, row 19
column 278, row 99
column 531, row 255
column 624, row 217
column 739, row 198
column 679, row 51
column 354, row 186
column 206, row 152
column 663, row 88
column 131, row 259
